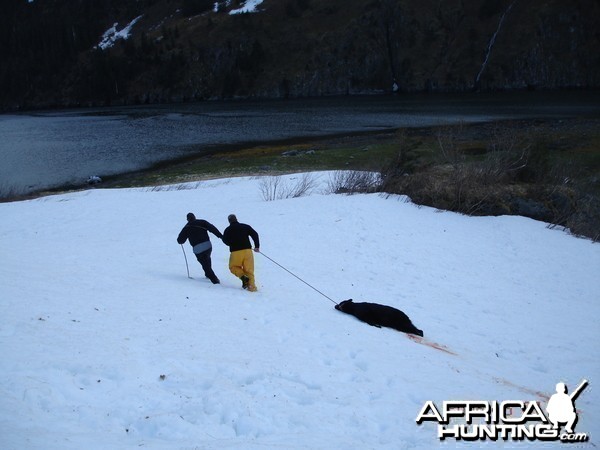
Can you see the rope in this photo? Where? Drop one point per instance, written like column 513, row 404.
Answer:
column 294, row 275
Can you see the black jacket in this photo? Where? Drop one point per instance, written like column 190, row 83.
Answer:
column 237, row 236
column 196, row 232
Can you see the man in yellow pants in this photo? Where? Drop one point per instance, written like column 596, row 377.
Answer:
column 241, row 261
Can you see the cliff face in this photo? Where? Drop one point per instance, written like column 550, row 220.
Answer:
column 181, row 50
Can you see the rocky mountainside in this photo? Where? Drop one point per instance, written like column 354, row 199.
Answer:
column 57, row 53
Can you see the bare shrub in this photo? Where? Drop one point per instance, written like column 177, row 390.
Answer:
column 449, row 151
column 468, row 182
column 405, row 161
column 353, row 182
column 275, row 187
column 585, row 221
column 458, row 174
column 522, row 171
column 175, row 187
column 304, row 186
column 270, row 188
column 508, row 155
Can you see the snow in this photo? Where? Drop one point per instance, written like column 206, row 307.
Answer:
column 112, row 35
column 107, row 344
column 250, row 6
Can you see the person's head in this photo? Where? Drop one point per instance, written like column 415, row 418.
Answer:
column 191, row 217
column 231, row 218
column 561, row 388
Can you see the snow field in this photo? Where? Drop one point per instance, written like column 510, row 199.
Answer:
column 107, row 344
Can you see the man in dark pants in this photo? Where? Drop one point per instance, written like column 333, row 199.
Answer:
column 196, row 231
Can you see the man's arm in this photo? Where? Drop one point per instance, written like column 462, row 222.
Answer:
column 254, row 235
column 224, row 238
column 183, row 235
column 210, row 227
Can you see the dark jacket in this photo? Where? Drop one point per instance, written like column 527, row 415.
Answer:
column 196, row 232
column 237, row 236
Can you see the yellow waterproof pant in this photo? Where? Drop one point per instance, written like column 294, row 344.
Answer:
column 241, row 262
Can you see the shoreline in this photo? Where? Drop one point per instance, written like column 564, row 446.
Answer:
column 245, row 157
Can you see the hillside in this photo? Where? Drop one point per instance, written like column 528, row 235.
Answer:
column 189, row 50
column 107, row 344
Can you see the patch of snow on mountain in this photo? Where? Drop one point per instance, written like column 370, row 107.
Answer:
column 111, row 35
column 249, row 7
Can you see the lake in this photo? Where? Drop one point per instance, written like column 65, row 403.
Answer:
column 45, row 149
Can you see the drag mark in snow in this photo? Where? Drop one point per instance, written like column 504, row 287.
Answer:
column 540, row 395
column 423, row 341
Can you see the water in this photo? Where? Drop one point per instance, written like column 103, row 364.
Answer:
column 48, row 149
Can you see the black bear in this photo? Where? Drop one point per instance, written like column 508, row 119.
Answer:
column 379, row 316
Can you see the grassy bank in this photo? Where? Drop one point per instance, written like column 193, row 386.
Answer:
column 355, row 152
column 575, row 142
column 545, row 169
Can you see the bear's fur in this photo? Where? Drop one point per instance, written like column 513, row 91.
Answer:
column 379, row 316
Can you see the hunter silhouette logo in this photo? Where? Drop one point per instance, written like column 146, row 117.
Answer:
column 561, row 406
column 512, row 419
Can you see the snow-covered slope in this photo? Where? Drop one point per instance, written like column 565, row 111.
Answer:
column 106, row 343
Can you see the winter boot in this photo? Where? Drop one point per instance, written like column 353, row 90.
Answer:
column 245, row 281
